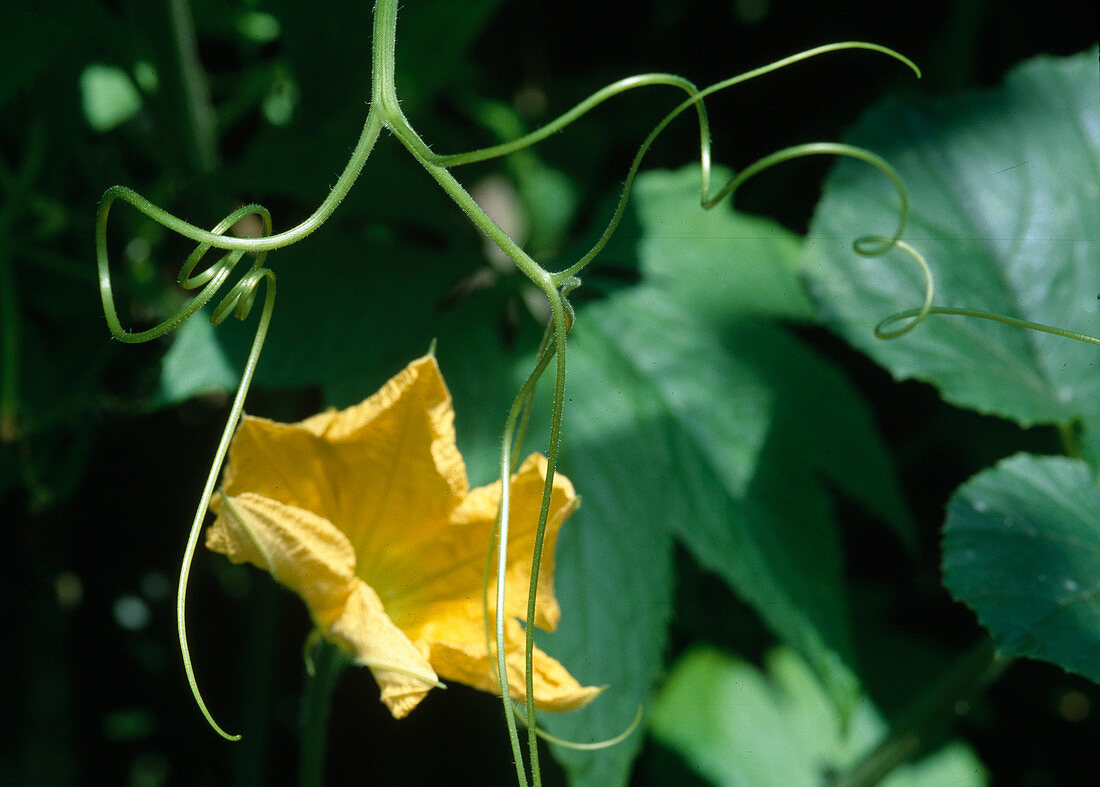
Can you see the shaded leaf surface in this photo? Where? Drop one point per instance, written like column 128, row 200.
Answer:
column 1003, row 187
column 739, row 726
column 1022, row 549
column 647, row 476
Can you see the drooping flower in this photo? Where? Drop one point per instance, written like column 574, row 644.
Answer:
column 367, row 514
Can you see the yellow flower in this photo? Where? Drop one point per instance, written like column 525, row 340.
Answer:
column 367, row 514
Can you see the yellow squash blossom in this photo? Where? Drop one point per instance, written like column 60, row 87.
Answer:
column 367, row 514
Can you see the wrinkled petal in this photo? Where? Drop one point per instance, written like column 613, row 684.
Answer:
column 301, row 550
column 367, row 631
column 457, row 649
column 309, row 555
column 367, row 514
column 387, row 469
column 527, row 484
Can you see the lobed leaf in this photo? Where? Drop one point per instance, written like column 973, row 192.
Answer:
column 1003, row 187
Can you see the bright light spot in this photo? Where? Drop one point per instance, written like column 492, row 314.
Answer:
column 69, row 590
column 145, row 74
column 280, row 101
column 1074, row 706
column 131, row 612
column 138, row 250
column 258, row 26
column 108, row 96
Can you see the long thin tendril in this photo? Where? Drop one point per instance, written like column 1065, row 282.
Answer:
column 237, row 301
column 562, row 312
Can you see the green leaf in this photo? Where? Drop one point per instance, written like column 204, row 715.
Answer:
column 613, row 562
column 821, row 427
column 738, row 726
column 1022, row 549
column 717, row 401
column 195, row 364
column 108, row 95
column 663, row 436
column 714, row 263
column 1003, row 187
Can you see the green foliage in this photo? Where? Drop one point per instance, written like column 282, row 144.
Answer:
column 1003, row 186
column 1022, row 549
column 737, row 725
column 704, row 422
column 718, row 438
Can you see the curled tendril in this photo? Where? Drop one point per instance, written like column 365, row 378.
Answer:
column 238, row 302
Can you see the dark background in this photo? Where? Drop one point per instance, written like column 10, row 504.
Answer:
column 98, row 491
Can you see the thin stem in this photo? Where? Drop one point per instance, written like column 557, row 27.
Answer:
column 508, row 443
column 329, row 661
column 556, row 125
column 195, row 90
column 369, row 135
column 560, row 331
column 695, row 99
column 383, row 89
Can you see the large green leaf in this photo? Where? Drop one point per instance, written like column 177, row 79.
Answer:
column 662, row 436
column 614, row 572
column 738, row 726
column 1003, row 186
column 714, row 263
column 1022, row 549
column 687, row 419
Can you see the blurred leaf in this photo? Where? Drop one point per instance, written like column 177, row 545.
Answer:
column 1022, row 549
column 30, row 46
column 108, row 95
column 1003, row 186
column 194, row 364
column 738, row 726
column 717, row 264
column 446, row 31
column 821, row 427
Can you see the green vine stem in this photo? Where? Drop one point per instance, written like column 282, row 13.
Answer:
column 195, row 89
column 327, row 662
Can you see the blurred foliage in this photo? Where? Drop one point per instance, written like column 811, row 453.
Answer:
column 106, row 446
